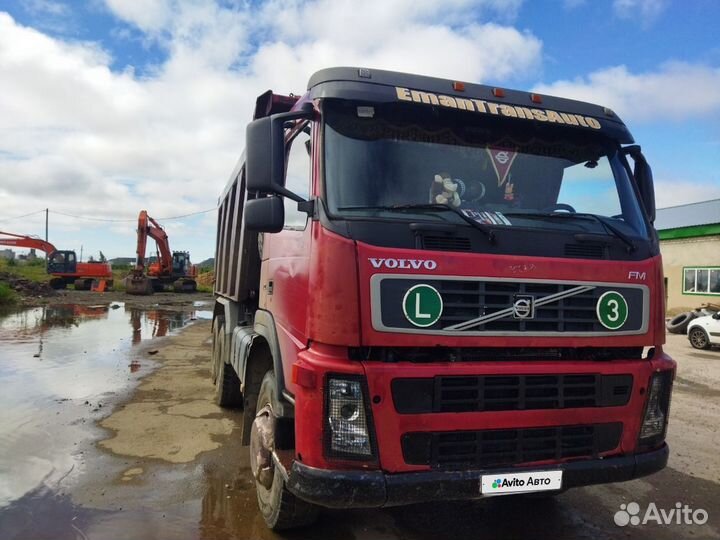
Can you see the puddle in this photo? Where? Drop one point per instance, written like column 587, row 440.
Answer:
column 60, row 366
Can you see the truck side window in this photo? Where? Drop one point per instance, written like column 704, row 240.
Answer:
column 297, row 179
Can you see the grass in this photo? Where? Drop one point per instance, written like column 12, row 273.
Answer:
column 32, row 270
column 8, row 297
column 119, row 275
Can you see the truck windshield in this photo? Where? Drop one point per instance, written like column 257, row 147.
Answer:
column 394, row 161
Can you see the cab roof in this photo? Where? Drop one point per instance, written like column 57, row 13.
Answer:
column 374, row 85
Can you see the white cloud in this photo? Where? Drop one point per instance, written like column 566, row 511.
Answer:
column 45, row 7
column 415, row 48
column 81, row 138
column 643, row 11
column 672, row 192
column 147, row 15
column 676, row 91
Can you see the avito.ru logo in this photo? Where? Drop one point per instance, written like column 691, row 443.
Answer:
column 519, row 482
column 629, row 514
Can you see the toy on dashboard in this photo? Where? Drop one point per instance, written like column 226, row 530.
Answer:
column 445, row 190
column 454, row 191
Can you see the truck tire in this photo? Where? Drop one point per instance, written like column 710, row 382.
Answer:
column 679, row 324
column 227, row 385
column 699, row 338
column 280, row 509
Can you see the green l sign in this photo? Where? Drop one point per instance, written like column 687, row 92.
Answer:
column 612, row 310
column 422, row 305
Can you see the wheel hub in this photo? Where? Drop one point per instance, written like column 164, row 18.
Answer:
column 697, row 339
column 262, row 442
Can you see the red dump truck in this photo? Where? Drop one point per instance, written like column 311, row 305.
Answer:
column 428, row 289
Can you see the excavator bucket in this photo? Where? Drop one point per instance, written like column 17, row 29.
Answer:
column 140, row 285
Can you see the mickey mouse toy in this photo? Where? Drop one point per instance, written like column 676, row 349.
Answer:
column 453, row 191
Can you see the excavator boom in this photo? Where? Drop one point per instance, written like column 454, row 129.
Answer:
column 30, row 242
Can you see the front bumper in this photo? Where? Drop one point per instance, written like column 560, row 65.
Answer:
column 373, row 489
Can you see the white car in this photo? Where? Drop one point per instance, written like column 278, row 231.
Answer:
column 704, row 332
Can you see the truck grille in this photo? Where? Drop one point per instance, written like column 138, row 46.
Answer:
column 568, row 308
column 492, row 448
column 464, row 300
column 510, row 392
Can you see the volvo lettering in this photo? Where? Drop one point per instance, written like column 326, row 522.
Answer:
column 413, row 264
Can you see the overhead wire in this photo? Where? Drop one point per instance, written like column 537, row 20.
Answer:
column 22, row 216
column 110, row 220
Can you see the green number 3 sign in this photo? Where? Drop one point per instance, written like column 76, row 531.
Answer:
column 612, row 310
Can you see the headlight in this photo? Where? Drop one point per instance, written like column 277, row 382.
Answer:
column 655, row 419
column 348, row 433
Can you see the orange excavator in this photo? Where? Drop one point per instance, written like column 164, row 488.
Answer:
column 172, row 269
column 62, row 265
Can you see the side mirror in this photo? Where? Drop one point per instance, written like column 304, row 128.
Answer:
column 259, row 151
column 266, row 214
column 716, row 316
column 265, row 153
column 643, row 179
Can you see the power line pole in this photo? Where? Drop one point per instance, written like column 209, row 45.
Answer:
column 46, row 224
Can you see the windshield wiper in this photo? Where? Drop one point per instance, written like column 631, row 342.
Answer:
column 431, row 207
column 617, row 233
column 613, row 229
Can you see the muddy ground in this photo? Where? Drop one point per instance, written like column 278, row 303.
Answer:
column 166, row 464
column 164, row 300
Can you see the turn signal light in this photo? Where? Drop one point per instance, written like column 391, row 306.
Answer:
column 303, row 376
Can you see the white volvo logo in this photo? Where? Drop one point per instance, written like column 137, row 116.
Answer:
column 524, row 307
column 408, row 264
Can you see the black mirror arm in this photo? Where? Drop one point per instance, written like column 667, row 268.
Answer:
column 280, row 190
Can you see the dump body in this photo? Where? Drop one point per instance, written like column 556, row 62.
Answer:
column 473, row 291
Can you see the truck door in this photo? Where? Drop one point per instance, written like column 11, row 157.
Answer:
column 285, row 266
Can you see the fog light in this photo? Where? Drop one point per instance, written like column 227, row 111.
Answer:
column 657, row 408
column 349, row 411
column 347, row 429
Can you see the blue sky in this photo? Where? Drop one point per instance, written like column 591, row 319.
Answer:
column 111, row 106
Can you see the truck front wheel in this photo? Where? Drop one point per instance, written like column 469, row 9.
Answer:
column 281, row 509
